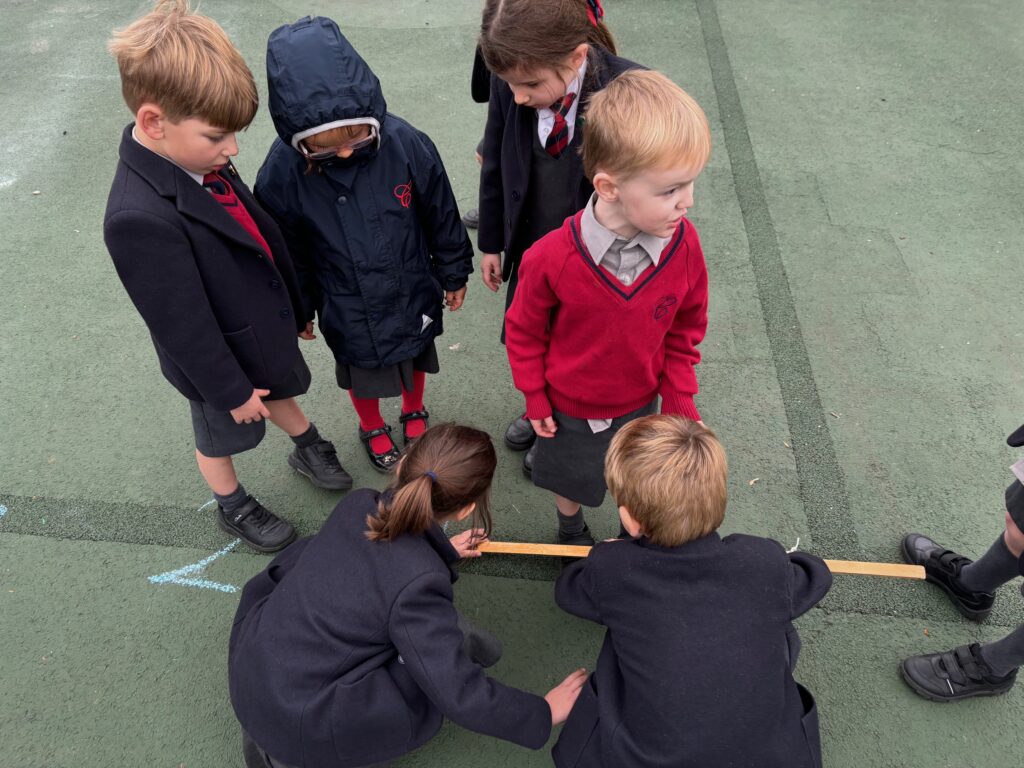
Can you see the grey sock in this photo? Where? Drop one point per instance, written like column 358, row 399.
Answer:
column 991, row 570
column 571, row 524
column 233, row 500
column 1004, row 656
column 307, row 438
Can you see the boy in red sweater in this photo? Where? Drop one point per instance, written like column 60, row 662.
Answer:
column 611, row 306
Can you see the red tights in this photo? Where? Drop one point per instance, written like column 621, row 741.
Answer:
column 368, row 410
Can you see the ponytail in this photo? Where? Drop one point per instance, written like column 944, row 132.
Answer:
column 448, row 468
column 540, row 33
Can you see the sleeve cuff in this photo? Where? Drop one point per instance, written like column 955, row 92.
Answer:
column 537, row 405
column 679, row 404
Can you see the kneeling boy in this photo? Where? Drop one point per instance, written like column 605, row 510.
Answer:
column 696, row 667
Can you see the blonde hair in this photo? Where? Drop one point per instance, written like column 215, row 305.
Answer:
column 643, row 121
column 671, row 474
column 185, row 64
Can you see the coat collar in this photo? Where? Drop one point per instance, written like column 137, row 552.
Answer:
column 696, row 547
column 192, row 200
column 438, row 539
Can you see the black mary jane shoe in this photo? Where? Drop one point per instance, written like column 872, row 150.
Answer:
column 382, row 462
column 405, row 418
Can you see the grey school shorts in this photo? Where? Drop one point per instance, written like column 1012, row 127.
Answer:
column 572, row 462
column 218, row 435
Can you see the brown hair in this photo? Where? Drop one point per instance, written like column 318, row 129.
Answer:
column 448, row 467
column 536, row 34
column 671, row 474
column 642, row 121
column 185, row 64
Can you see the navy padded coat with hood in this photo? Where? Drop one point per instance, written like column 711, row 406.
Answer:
column 376, row 238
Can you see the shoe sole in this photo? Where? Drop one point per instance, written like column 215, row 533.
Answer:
column 924, row 693
column 964, row 611
column 264, row 550
column 528, row 474
column 309, row 476
column 519, row 447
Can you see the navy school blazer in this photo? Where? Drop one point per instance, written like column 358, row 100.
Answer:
column 508, row 155
column 222, row 315
column 346, row 652
column 696, row 666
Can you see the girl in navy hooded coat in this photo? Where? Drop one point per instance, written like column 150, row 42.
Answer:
column 371, row 222
column 348, row 651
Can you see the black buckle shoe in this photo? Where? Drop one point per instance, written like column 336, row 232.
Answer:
column 405, row 418
column 382, row 462
column 954, row 675
column 519, row 435
column 942, row 568
column 257, row 526
column 528, row 462
column 319, row 462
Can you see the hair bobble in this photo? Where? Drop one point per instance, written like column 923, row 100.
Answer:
column 433, row 477
column 595, row 12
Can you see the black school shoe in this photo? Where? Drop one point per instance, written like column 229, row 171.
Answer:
column 954, row 675
column 257, row 526
column 942, row 567
column 471, row 218
column 319, row 462
column 528, row 462
column 405, row 418
column 382, row 462
column 582, row 539
column 519, row 435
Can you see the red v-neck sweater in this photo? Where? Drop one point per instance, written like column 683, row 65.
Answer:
column 582, row 342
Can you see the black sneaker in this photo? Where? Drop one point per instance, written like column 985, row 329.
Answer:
column 319, row 462
column 471, row 218
column 257, row 526
column 954, row 675
column 942, row 567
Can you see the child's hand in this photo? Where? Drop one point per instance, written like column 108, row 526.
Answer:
column 252, row 409
column 545, row 427
column 308, row 334
column 490, row 270
column 466, row 543
column 453, row 299
column 564, row 695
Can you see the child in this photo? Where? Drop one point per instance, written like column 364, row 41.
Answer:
column 204, row 265
column 370, row 217
column 972, row 670
column 347, row 649
column 612, row 305
column 548, row 58
column 696, row 667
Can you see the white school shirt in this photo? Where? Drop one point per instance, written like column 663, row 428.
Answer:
column 546, row 118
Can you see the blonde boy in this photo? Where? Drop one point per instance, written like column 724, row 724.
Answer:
column 696, row 668
column 611, row 307
column 206, row 268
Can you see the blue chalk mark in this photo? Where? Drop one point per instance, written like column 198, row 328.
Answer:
column 184, row 576
column 211, row 501
column 3, row 510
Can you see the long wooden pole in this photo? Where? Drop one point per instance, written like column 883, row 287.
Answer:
column 890, row 570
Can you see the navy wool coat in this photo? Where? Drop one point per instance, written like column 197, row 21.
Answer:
column 377, row 238
column 696, row 666
column 223, row 316
column 346, row 652
column 508, row 155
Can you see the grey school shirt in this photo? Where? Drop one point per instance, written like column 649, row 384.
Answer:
column 624, row 259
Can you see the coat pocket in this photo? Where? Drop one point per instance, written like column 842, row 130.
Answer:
column 247, row 352
column 809, row 721
column 371, row 715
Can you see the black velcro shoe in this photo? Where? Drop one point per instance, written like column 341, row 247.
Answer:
column 520, row 435
column 405, row 418
column 942, row 568
column 528, row 462
column 582, row 539
column 257, row 526
column 954, row 675
column 319, row 462
column 471, row 218
column 382, row 462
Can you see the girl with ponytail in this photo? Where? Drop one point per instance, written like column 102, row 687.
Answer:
column 547, row 57
column 348, row 651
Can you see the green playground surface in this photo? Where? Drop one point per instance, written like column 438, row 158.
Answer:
column 861, row 221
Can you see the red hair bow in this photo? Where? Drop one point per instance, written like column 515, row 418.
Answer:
column 594, row 11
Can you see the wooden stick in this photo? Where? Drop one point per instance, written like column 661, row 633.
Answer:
column 890, row 570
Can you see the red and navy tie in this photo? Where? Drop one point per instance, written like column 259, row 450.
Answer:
column 558, row 139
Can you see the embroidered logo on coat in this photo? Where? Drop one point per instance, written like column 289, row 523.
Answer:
column 662, row 308
column 404, row 194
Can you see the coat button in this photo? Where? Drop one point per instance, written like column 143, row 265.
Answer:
column 342, row 199
column 286, row 313
column 515, row 195
column 275, row 283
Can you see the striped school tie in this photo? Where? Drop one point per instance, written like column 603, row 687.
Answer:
column 558, row 139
